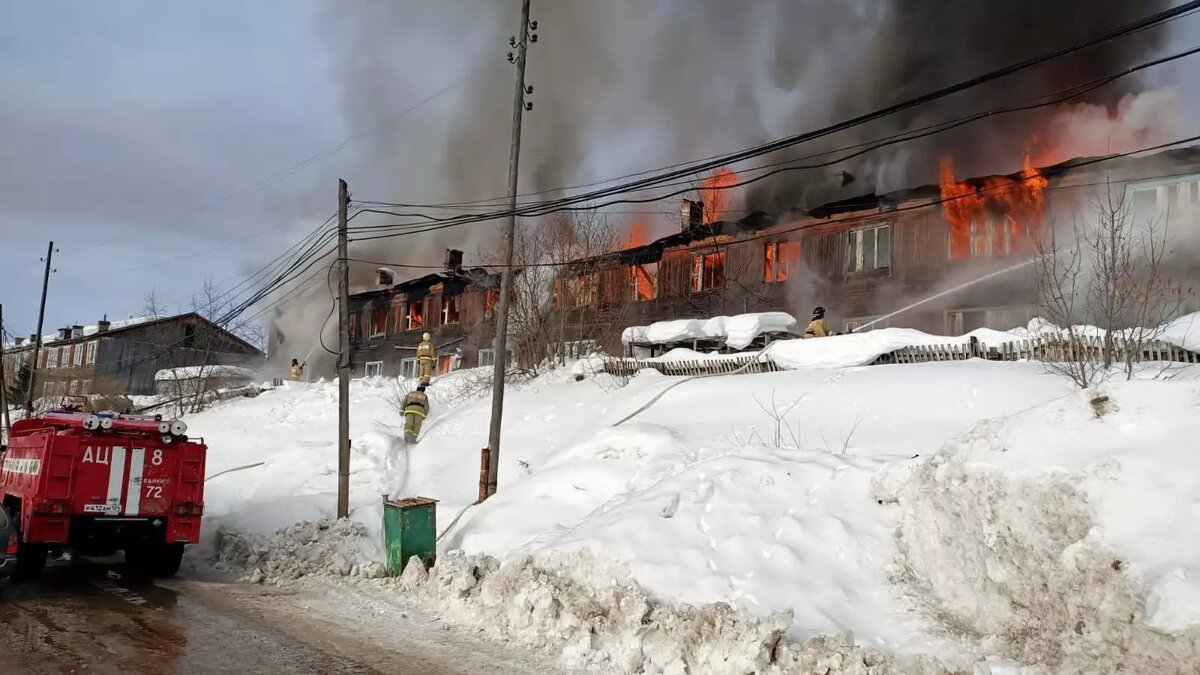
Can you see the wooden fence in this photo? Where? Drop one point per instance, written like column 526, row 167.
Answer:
column 1034, row 349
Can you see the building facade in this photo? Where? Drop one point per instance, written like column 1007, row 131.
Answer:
column 122, row 357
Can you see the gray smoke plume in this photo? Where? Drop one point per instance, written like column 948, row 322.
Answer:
column 629, row 85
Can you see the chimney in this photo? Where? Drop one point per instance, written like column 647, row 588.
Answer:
column 33, row 338
column 76, row 331
column 64, row 333
column 103, row 324
column 383, row 277
column 691, row 214
column 453, row 261
column 18, row 341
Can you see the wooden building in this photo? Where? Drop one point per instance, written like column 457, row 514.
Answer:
column 122, row 357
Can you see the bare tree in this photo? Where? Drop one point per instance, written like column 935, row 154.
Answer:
column 1107, row 272
column 561, row 294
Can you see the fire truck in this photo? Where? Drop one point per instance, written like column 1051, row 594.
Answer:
column 96, row 483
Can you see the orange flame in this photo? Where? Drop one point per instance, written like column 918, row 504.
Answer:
column 637, row 235
column 714, row 193
column 965, row 203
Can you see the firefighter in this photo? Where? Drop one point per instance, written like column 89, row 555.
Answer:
column 425, row 357
column 298, row 369
column 816, row 327
column 416, row 407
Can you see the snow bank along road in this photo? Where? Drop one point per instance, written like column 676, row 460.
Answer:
column 928, row 516
column 85, row 618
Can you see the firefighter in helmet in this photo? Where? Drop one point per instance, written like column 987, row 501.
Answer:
column 298, row 369
column 816, row 327
column 425, row 357
column 416, row 407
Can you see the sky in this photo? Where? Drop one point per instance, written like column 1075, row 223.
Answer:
column 128, row 125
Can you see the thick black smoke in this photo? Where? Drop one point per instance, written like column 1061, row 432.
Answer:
column 921, row 46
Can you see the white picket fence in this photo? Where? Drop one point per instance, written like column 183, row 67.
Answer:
column 1035, row 349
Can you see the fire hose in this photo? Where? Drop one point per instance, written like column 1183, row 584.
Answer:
column 642, row 408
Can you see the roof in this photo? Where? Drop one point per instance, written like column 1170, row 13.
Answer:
column 194, row 372
column 124, row 325
column 478, row 276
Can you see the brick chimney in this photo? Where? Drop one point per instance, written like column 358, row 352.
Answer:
column 18, row 341
column 103, row 324
column 64, row 333
column 383, row 277
column 454, row 258
column 691, row 214
column 76, row 331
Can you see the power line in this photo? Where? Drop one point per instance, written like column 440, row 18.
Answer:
column 700, row 166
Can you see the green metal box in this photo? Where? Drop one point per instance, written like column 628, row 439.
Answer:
column 409, row 528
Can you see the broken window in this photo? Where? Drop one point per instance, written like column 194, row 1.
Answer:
column 450, row 309
column 869, row 248
column 379, row 322
column 489, row 302
column 582, row 290
column 445, row 363
column 781, row 260
column 645, row 281
column 991, row 236
column 414, row 316
column 354, row 318
column 708, row 271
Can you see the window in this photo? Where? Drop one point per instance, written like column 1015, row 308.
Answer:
column 379, row 322
column 708, row 271
column 409, row 368
column 869, row 248
column 781, row 259
column 91, row 352
column 374, row 368
column 445, row 363
column 582, row 290
column 189, row 334
column 354, row 324
column 414, row 316
column 645, row 281
column 51, row 358
column 489, row 302
column 396, row 319
column 74, row 390
column 852, row 325
column 991, row 237
column 85, row 387
column 450, row 309
column 77, row 354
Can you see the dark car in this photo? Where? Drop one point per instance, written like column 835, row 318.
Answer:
column 8, row 544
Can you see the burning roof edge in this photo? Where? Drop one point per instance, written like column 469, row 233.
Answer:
column 479, row 276
column 759, row 220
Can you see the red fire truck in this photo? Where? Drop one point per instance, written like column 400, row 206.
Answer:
column 99, row 483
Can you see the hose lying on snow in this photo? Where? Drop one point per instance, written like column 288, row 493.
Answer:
column 642, row 408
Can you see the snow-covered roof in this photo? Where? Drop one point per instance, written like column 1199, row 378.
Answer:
column 89, row 330
column 193, row 372
column 737, row 331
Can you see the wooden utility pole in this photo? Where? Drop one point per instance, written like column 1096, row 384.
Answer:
column 520, row 105
column 3, row 381
column 343, row 362
column 37, row 339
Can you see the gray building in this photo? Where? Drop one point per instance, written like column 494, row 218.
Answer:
column 122, row 357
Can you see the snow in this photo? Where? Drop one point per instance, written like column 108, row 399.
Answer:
column 210, row 371
column 899, row 504
column 737, row 331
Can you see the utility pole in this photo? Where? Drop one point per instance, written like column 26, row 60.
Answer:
column 520, row 105
column 343, row 362
column 37, row 339
column 3, row 381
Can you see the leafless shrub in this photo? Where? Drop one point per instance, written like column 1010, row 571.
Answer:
column 1107, row 271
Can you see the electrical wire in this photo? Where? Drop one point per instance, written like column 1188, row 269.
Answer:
column 1045, row 100
column 701, row 166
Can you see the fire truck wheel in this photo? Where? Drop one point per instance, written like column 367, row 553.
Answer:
column 31, row 560
column 154, row 560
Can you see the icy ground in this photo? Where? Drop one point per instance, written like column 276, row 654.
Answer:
column 872, row 505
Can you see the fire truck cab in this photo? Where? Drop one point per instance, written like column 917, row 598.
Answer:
column 99, row 483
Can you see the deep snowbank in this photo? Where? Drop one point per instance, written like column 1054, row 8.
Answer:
column 1064, row 534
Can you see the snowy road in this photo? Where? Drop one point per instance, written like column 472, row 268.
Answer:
column 85, row 618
